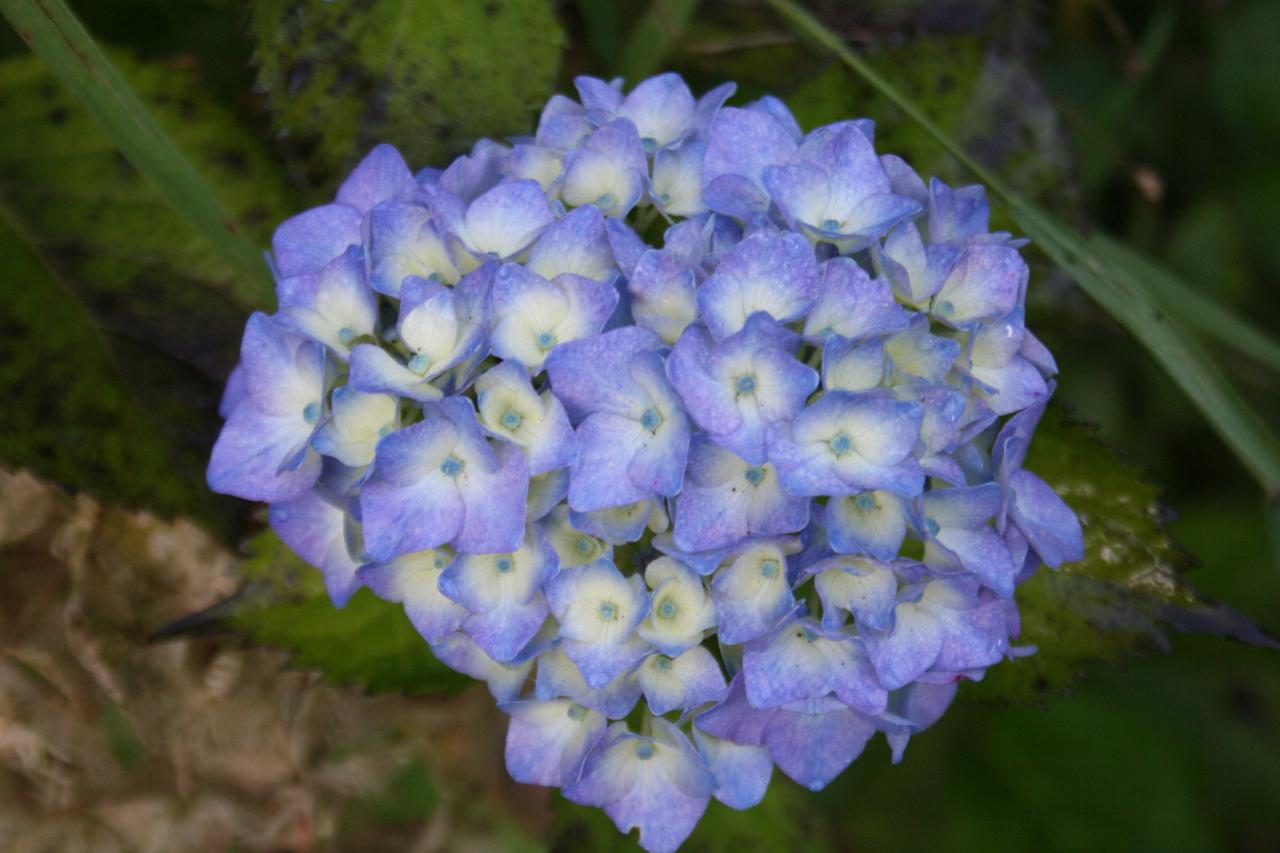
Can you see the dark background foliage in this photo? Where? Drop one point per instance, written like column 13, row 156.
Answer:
column 1157, row 122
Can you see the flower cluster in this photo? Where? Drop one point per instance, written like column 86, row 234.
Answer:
column 693, row 511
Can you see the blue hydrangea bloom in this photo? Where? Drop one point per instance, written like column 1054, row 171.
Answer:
column 693, row 506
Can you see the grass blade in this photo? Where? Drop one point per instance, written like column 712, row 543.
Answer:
column 1122, row 289
column 53, row 32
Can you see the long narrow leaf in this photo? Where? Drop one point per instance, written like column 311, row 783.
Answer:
column 1121, row 291
column 53, row 32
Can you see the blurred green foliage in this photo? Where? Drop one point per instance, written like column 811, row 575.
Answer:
column 1157, row 121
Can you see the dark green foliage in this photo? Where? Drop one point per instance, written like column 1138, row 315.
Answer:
column 1127, row 591
column 430, row 76
column 369, row 642
column 126, row 409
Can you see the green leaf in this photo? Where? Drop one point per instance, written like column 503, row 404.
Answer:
column 127, row 410
column 369, row 642
column 652, row 37
column 70, row 53
column 1126, row 296
column 67, row 411
column 429, row 76
column 1127, row 592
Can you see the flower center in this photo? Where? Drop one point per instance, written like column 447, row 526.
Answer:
column 932, row 526
column 504, row 564
column 841, row 444
column 545, row 340
column 346, row 334
column 512, row 420
column 644, row 750
column 865, row 502
column 585, row 546
column 945, row 308
column 452, row 466
column 608, row 611
column 577, row 713
column 651, row 419
column 667, row 609
column 386, row 430
column 311, row 414
column 755, row 475
column 830, row 225
column 769, row 568
column 606, row 201
column 662, row 663
column 650, row 144
column 420, row 363
column 746, row 384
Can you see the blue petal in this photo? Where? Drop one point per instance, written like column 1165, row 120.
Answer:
column 505, row 681
column 414, row 580
column 577, row 244
column 375, row 371
column 741, row 143
column 594, row 374
column 660, row 785
column 726, row 499
column 742, row 772
column 1050, row 526
column 663, row 294
column 381, row 176
column 873, row 523
column 404, row 242
column 547, row 741
column 662, row 109
column 316, row 530
column 558, row 676
column 852, row 304
column 609, row 170
column 691, row 679
column 775, row 274
column 986, row 282
column 505, row 220
column 865, row 588
column 252, row 455
column 815, row 748
column 303, row 244
column 752, row 594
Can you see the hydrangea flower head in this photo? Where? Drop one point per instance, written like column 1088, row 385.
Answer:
column 697, row 437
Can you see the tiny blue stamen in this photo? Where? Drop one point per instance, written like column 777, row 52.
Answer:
column 644, row 750
column 755, row 475
column 865, row 502
column 452, row 466
column 746, row 384
column 651, row 419
column 826, row 332
column 830, row 225
column 512, row 420
column 667, row 609
column 608, row 611
column 945, row 308
column 438, row 562
column 420, row 363
column 650, row 144
column 606, row 201
column 769, row 568
column 311, row 414
column 810, row 635
column 577, row 713
column 585, row 546
column 386, row 430
column 545, row 340
column 932, row 526
column 504, row 565
column 662, row 663
column 841, row 444
column 346, row 334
